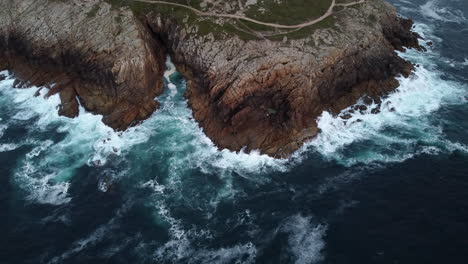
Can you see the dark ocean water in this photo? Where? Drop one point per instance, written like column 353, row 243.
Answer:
column 391, row 188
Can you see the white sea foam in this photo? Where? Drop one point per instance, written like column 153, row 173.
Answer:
column 2, row 129
column 177, row 138
column 44, row 171
column 465, row 62
column 435, row 9
column 154, row 185
column 120, row 245
column 39, row 187
column 206, row 156
column 181, row 247
column 173, row 138
column 406, row 2
column 23, row 115
column 91, row 240
column 170, row 68
column 305, row 238
column 189, row 147
column 170, row 71
column 403, row 128
column 244, row 253
column 8, row 147
column 100, row 233
column 180, row 145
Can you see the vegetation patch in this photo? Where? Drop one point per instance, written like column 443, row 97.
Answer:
column 284, row 12
column 288, row 12
column 304, row 32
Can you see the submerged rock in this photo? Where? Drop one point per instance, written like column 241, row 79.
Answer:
column 260, row 89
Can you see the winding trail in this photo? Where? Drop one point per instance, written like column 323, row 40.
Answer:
column 274, row 25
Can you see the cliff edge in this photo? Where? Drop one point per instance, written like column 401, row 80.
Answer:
column 258, row 73
column 88, row 52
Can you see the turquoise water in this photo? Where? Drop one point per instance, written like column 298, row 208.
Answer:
column 377, row 188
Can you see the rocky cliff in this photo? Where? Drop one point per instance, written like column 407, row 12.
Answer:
column 249, row 85
column 86, row 51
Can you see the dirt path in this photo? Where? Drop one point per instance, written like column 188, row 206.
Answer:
column 309, row 23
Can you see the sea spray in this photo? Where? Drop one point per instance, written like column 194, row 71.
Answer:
column 403, row 127
column 86, row 141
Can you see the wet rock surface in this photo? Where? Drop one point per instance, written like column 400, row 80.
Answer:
column 267, row 94
column 259, row 93
column 87, row 52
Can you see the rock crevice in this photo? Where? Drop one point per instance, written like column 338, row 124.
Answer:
column 245, row 93
column 270, row 93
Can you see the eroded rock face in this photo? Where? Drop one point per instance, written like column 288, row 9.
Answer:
column 258, row 93
column 263, row 94
column 102, row 58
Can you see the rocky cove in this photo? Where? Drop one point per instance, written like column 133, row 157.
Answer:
column 248, row 85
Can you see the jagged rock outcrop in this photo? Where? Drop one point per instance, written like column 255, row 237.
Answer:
column 103, row 59
column 259, row 92
column 267, row 94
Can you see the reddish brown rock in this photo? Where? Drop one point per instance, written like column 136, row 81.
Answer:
column 109, row 62
column 265, row 94
column 69, row 106
column 259, row 93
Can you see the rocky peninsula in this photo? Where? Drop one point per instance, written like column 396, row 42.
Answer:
column 259, row 72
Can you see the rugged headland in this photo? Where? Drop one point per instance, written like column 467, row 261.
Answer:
column 259, row 72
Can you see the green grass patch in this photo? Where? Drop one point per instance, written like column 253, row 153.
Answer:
column 290, row 12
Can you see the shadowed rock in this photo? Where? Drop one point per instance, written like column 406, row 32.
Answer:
column 108, row 62
column 263, row 91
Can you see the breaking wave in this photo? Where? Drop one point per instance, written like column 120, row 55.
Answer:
column 207, row 205
column 400, row 131
column 57, row 146
column 173, row 140
column 403, row 128
column 44, row 172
